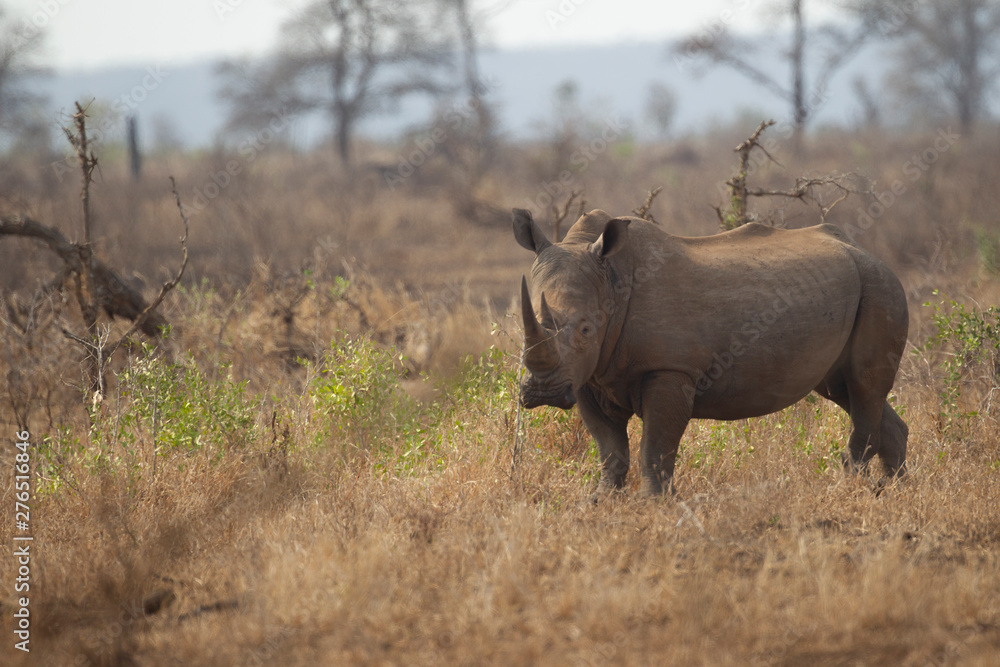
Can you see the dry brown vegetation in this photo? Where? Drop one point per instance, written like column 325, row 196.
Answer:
column 250, row 493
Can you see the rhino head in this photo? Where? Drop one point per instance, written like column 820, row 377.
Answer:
column 569, row 279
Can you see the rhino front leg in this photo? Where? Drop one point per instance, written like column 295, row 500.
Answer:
column 611, row 433
column 667, row 403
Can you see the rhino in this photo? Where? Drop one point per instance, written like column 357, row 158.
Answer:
column 635, row 321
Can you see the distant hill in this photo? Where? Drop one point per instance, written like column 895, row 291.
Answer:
column 611, row 80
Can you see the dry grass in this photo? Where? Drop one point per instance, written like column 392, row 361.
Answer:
column 400, row 536
column 766, row 559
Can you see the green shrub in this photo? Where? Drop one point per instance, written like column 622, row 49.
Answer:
column 988, row 245
column 172, row 409
column 57, row 454
column 179, row 410
column 969, row 340
column 356, row 396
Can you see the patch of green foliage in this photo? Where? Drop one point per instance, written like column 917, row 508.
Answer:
column 355, row 395
column 57, row 452
column 988, row 245
column 353, row 400
column 969, row 341
column 816, row 429
column 731, row 219
column 357, row 400
column 485, row 389
column 171, row 407
column 180, row 409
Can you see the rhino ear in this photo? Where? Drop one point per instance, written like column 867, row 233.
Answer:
column 612, row 239
column 528, row 233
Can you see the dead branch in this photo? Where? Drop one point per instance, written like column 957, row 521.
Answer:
column 113, row 295
column 559, row 215
column 94, row 346
column 643, row 211
column 19, row 226
column 744, row 147
column 88, row 162
column 96, row 286
column 85, row 280
column 738, row 184
column 147, row 312
column 806, row 189
column 809, row 190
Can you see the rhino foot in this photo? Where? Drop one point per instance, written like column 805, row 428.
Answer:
column 890, row 479
column 853, row 466
column 652, row 487
column 605, row 492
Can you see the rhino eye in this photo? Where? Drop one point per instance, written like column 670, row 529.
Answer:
column 586, row 329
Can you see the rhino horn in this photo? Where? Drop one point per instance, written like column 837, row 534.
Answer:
column 540, row 351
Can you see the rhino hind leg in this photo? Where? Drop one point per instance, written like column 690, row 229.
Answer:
column 872, row 358
column 866, row 437
column 890, row 446
column 893, row 445
column 862, row 378
column 877, row 429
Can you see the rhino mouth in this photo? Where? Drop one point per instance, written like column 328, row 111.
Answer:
column 563, row 397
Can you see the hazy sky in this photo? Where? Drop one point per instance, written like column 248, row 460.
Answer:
column 92, row 33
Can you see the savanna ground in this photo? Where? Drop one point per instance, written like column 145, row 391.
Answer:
column 316, row 465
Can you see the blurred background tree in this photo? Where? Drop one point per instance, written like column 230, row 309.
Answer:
column 947, row 55
column 20, row 44
column 470, row 21
column 347, row 59
column 661, row 107
column 471, row 142
column 826, row 49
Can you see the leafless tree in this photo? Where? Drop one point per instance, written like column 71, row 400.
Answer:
column 20, row 42
column 468, row 125
column 871, row 114
column 470, row 17
column 830, row 46
column 346, row 58
column 946, row 46
column 471, row 122
column 661, row 107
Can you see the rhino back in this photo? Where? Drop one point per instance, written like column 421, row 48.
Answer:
column 755, row 317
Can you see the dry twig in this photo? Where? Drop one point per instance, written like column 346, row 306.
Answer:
column 559, row 215
column 88, row 162
column 643, row 211
column 806, row 189
column 113, row 294
column 738, row 184
column 141, row 318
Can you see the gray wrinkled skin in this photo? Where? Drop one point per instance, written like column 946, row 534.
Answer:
column 623, row 319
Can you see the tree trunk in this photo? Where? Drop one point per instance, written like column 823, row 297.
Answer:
column 344, row 123
column 475, row 89
column 135, row 157
column 798, row 74
column 470, row 65
column 970, row 84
